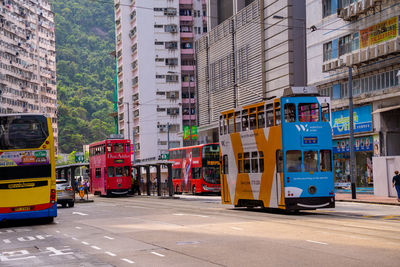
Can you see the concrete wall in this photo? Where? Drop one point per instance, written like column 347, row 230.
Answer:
column 383, row 171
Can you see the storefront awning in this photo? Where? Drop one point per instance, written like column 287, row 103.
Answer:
column 385, row 109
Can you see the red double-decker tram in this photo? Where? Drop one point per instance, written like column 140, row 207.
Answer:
column 110, row 167
column 196, row 169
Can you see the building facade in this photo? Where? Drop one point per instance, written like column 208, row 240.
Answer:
column 28, row 59
column 362, row 36
column 156, row 70
column 250, row 57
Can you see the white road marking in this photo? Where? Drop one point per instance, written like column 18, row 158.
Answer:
column 236, row 228
column 79, row 213
column 77, row 227
column 158, row 254
column 58, row 231
column 178, row 214
column 85, row 243
column 74, row 238
column 196, row 215
column 94, row 247
column 110, row 253
column 66, row 235
column 317, row 242
column 202, row 216
column 128, row 261
column 7, row 241
column 111, row 238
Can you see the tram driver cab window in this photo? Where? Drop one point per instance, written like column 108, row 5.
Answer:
column 293, row 161
column 310, row 161
column 290, row 112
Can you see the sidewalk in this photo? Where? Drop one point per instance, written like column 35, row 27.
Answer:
column 367, row 198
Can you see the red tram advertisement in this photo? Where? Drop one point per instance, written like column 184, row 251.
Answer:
column 110, row 167
column 196, row 169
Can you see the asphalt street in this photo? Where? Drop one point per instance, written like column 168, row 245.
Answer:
column 199, row 231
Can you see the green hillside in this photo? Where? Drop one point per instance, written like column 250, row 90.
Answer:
column 85, row 71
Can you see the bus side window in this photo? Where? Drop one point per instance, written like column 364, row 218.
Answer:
column 290, row 112
column 325, row 112
column 230, row 123
column 279, row 161
column 293, row 161
column 261, row 161
column 245, row 120
column 253, row 118
column 270, row 115
column 237, row 121
column 240, row 163
column 225, row 169
column 325, row 161
column 261, row 117
column 277, row 109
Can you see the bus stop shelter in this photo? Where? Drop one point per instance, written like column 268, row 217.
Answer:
column 157, row 164
column 69, row 172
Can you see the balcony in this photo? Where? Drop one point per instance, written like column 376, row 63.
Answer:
column 188, row 68
column 187, row 35
column 186, row 18
column 186, row 2
column 188, row 100
column 189, row 117
column 187, row 51
column 187, row 84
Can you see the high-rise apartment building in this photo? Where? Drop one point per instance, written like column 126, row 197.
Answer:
column 361, row 35
column 28, row 59
column 156, row 71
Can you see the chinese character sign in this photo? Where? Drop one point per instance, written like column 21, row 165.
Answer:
column 361, row 117
column 378, row 33
column 186, row 132
column 194, row 133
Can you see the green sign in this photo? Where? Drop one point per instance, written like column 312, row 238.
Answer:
column 40, row 154
column 79, row 158
column 186, row 132
column 194, row 133
column 164, row 156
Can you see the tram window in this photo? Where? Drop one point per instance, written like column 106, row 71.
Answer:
column 246, row 162
column 245, row 120
column 293, row 161
column 127, row 148
column 325, row 112
column 261, row 161
column 118, row 172
column 261, row 117
column 118, row 148
column 253, row 118
column 254, row 162
column 240, row 163
column 110, row 172
column 310, row 161
column 290, row 112
column 196, row 152
column 270, row 115
column 308, row 112
column 230, row 123
column 98, row 172
column 277, row 114
column 127, row 171
column 109, row 148
column 224, row 122
column 326, row 163
column 196, row 173
column 237, row 121
column 279, row 161
column 225, row 169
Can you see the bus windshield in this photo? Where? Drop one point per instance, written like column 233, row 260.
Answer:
column 17, row 132
column 211, row 174
column 211, row 152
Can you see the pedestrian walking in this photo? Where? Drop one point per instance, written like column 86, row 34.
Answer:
column 396, row 184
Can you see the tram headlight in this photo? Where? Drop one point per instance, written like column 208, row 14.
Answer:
column 312, row 190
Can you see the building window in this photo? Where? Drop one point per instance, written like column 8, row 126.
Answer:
column 327, row 51
column 326, row 8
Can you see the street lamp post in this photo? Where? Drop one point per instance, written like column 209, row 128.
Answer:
column 351, row 136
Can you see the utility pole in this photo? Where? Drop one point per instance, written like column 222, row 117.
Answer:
column 168, row 135
column 133, row 145
column 352, row 156
column 129, row 128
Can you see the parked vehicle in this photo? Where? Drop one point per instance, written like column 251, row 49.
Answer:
column 65, row 193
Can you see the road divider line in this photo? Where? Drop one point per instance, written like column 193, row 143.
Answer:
column 77, row 227
column 58, row 232
column 317, row 242
column 111, row 238
column 110, row 253
column 128, row 261
column 80, row 213
column 85, row 243
column 236, row 228
column 74, row 238
column 158, row 254
column 66, row 235
column 94, row 247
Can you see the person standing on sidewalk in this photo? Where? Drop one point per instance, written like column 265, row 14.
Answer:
column 396, row 184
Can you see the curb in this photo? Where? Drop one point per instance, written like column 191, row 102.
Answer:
column 367, row 202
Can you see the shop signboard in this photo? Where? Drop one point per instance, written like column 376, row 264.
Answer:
column 361, row 117
column 186, row 132
column 380, row 32
column 360, row 144
column 194, row 133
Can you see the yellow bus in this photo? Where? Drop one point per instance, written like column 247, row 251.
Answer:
column 27, row 167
